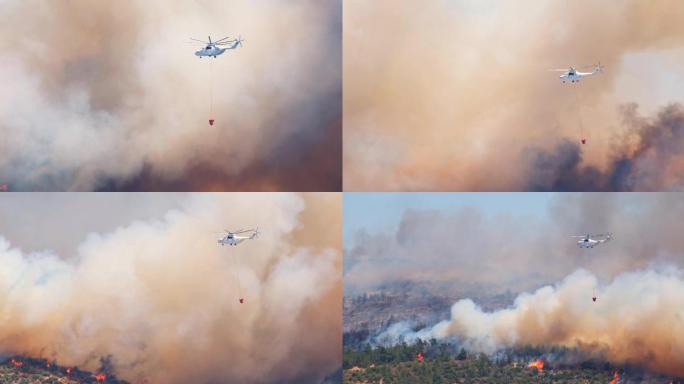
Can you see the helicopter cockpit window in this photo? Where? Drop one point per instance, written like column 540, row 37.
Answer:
column 208, row 48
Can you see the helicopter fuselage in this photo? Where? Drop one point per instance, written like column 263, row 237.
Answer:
column 231, row 240
column 210, row 51
column 214, row 51
column 588, row 243
column 573, row 76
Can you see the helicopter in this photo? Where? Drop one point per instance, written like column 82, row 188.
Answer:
column 233, row 237
column 214, row 48
column 590, row 241
column 574, row 76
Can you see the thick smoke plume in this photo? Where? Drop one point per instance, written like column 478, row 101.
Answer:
column 160, row 297
column 451, row 95
column 637, row 320
column 109, row 96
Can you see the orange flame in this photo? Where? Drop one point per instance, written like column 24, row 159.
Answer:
column 539, row 364
column 100, row 377
column 16, row 363
column 616, row 377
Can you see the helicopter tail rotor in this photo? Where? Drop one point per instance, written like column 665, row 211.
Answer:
column 239, row 41
column 599, row 68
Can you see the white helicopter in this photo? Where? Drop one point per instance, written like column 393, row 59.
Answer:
column 590, row 241
column 234, row 238
column 214, row 48
column 574, row 76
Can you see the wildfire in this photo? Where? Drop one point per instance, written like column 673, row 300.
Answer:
column 539, row 364
column 616, row 377
column 68, row 371
column 100, row 377
column 16, row 363
column 420, row 357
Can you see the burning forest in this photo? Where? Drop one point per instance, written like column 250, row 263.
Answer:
column 423, row 361
column 20, row 369
column 556, row 331
column 506, row 297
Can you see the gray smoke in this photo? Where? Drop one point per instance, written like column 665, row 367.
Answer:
column 519, row 252
column 108, row 96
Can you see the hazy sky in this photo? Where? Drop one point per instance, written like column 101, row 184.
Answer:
column 61, row 221
column 504, row 241
column 110, row 96
column 456, row 95
column 383, row 211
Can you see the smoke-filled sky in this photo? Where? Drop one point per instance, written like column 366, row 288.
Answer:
column 456, row 95
column 110, row 96
column 474, row 244
column 148, row 285
column 505, row 241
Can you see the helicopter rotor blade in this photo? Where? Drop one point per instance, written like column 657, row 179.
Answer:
column 221, row 40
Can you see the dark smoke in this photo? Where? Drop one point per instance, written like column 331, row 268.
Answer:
column 649, row 158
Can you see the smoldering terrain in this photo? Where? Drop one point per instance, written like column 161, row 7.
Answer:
column 517, row 281
column 109, row 96
column 456, row 95
column 154, row 293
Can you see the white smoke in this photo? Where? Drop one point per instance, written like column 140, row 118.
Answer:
column 161, row 297
column 638, row 318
